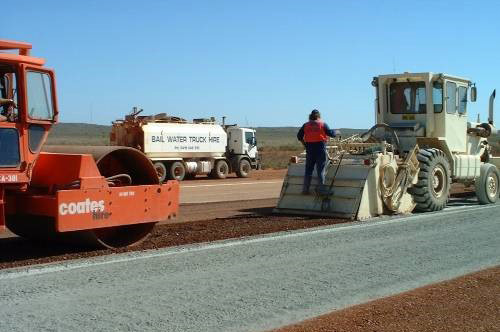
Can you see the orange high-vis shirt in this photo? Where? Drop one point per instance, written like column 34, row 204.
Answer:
column 314, row 131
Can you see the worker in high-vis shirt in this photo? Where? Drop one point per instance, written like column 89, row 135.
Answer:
column 314, row 135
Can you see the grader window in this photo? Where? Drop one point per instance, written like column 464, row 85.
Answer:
column 451, row 97
column 437, row 97
column 462, row 100
column 408, row 98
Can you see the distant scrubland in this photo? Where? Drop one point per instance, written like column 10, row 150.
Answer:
column 276, row 144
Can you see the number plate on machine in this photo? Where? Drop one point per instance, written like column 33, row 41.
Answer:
column 8, row 178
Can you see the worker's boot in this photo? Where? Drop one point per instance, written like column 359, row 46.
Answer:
column 307, row 184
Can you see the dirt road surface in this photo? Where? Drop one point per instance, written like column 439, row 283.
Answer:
column 470, row 303
column 227, row 191
column 263, row 184
column 219, row 210
column 251, row 284
column 205, row 199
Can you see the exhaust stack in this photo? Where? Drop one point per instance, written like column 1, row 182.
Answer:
column 490, row 114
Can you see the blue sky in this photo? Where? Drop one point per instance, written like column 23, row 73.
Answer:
column 261, row 63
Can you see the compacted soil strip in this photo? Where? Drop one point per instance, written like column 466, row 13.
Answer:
column 15, row 252
column 239, row 219
column 468, row 303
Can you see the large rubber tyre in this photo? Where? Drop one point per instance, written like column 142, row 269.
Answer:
column 432, row 191
column 177, row 171
column 244, row 168
column 487, row 184
column 161, row 170
column 220, row 170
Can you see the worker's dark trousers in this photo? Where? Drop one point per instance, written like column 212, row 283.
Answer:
column 315, row 157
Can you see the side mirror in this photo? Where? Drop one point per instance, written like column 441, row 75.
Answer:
column 473, row 94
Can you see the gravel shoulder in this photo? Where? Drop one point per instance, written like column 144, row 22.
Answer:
column 251, row 284
column 198, row 223
column 469, row 303
column 15, row 251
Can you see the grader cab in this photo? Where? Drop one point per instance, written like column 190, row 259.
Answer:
column 421, row 144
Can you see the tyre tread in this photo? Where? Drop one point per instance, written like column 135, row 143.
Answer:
column 424, row 199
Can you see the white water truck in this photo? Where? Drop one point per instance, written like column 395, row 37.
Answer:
column 180, row 149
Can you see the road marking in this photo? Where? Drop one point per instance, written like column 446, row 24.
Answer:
column 192, row 248
column 232, row 184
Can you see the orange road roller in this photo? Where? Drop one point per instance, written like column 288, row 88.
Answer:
column 102, row 196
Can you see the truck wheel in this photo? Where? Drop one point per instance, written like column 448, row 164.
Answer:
column 432, row 191
column 221, row 170
column 487, row 184
column 243, row 169
column 177, row 171
column 161, row 170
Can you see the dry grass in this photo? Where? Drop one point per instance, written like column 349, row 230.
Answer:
column 277, row 157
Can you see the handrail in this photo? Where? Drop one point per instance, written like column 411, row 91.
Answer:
column 24, row 48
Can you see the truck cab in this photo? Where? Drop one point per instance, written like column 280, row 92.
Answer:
column 242, row 144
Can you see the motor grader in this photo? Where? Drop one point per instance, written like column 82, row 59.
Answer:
column 422, row 142
column 101, row 196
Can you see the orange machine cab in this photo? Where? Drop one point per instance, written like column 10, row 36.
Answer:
column 32, row 87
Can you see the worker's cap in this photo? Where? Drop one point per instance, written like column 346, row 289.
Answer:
column 315, row 114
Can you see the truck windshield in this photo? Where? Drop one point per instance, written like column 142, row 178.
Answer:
column 408, row 98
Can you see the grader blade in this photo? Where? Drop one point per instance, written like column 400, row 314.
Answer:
column 357, row 187
column 339, row 197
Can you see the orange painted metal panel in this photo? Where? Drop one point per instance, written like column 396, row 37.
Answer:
column 14, row 58
column 89, row 209
column 24, row 48
column 2, row 210
column 98, row 208
column 54, row 169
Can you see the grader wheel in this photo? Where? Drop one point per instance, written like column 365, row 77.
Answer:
column 487, row 185
column 432, row 191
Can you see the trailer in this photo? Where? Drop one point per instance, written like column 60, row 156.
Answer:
column 180, row 149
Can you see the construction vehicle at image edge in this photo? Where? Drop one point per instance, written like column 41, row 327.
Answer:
column 422, row 143
column 99, row 196
column 180, row 149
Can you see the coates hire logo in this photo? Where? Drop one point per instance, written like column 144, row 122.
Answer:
column 86, row 206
